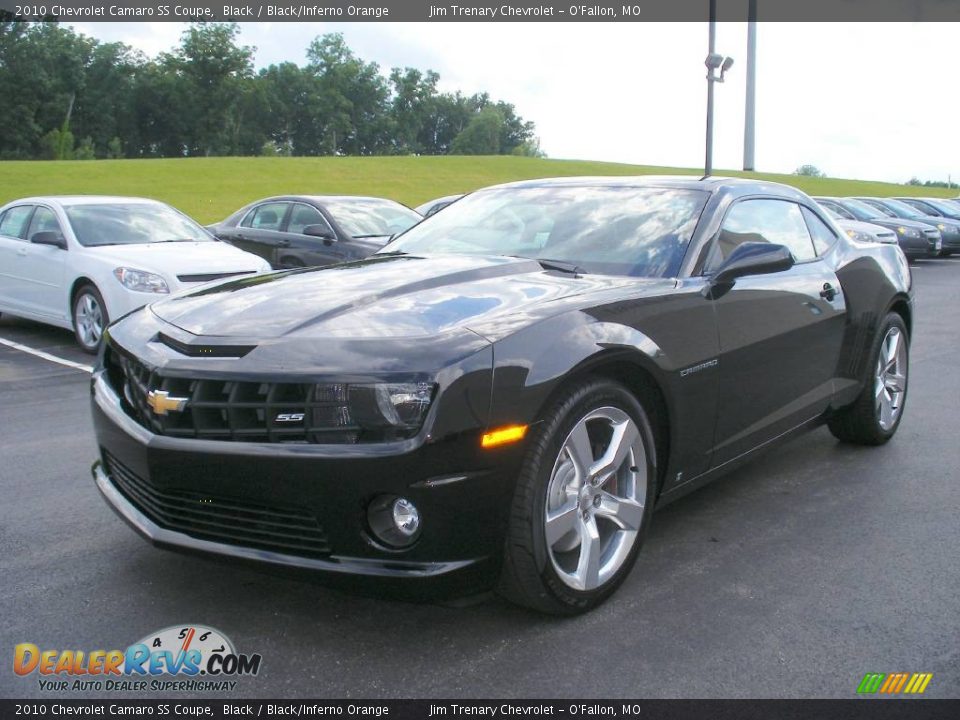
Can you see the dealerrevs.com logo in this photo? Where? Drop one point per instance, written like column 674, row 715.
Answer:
column 177, row 658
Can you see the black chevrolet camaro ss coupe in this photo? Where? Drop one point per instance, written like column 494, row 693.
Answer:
column 501, row 396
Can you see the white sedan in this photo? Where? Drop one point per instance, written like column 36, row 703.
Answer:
column 78, row 262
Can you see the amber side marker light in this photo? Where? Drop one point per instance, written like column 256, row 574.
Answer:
column 502, row 436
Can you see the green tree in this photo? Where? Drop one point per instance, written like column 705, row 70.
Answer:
column 355, row 97
column 413, row 107
column 809, row 171
column 482, row 135
column 215, row 74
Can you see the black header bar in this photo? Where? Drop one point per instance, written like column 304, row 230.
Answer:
column 482, row 11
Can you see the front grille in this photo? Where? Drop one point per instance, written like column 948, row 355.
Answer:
column 228, row 520
column 233, row 410
column 209, row 277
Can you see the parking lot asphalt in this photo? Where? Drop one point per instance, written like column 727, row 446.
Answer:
column 792, row 577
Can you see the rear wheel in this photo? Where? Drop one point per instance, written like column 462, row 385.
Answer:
column 89, row 318
column 875, row 416
column 583, row 501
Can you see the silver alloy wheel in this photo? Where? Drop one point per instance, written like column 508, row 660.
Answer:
column 88, row 318
column 595, row 498
column 890, row 382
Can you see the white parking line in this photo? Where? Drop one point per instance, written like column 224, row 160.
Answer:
column 46, row 356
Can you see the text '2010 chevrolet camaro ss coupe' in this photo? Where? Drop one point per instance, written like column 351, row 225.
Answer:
column 501, row 396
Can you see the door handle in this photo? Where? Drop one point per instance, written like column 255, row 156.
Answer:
column 829, row 292
column 240, row 236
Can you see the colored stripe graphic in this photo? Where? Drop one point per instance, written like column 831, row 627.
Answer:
column 895, row 683
column 871, row 682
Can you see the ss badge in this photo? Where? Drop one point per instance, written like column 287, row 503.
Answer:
column 289, row 418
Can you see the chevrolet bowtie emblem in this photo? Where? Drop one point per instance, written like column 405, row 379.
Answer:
column 161, row 402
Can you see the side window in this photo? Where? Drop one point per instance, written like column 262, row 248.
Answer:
column 44, row 221
column 839, row 210
column 268, row 216
column 773, row 221
column 823, row 236
column 303, row 215
column 14, row 221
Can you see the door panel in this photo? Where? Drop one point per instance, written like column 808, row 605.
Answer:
column 260, row 230
column 42, row 269
column 13, row 230
column 307, row 250
column 780, row 335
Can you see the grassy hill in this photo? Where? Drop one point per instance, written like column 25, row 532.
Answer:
column 211, row 188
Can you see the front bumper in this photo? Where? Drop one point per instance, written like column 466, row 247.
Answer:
column 184, row 493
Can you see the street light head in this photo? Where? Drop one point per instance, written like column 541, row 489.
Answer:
column 727, row 64
column 713, row 61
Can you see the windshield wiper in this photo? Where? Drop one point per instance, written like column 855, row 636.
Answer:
column 561, row 265
column 176, row 240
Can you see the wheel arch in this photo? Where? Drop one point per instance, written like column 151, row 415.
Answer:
column 80, row 282
column 636, row 372
column 901, row 306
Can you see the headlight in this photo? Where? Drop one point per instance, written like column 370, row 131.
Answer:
column 908, row 232
column 381, row 412
column 860, row 236
column 400, row 406
column 141, row 280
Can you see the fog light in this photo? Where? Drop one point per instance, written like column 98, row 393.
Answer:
column 394, row 521
column 406, row 517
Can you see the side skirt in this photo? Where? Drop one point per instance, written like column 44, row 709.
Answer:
column 699, row 481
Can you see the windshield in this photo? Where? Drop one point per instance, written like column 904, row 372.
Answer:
column 901, row 209
column 863, row 211
column 639, row 232
column 944, row 207
column 837, row 213
column 371, row 217
column 132, row 224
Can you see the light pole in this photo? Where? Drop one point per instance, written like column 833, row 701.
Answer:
column 750, row 110
column 713, row 62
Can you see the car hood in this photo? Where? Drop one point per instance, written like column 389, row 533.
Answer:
column 864, row 227
column 894, row 223
column 371, row 243
column 179, row 258
column 393, row 296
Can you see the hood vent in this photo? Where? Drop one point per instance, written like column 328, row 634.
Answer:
column 211, row 351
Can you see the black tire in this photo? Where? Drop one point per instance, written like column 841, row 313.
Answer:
column 529, row 577
column 291, row 263
column 87, row 342
column 860, row 422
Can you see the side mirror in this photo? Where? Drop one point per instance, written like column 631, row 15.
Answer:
column 49, row 237
column 318, row 231
column 752, row 258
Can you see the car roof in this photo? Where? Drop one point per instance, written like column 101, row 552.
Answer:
column 710, row 183
column 67, row 200
column 322, row 198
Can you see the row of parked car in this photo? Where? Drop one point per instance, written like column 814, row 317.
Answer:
column 923, row 227
column 124, row 252
column 79, row 262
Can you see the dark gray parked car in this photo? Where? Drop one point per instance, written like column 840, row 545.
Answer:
column 293, row 231
column 917, row 240
column 949, row 230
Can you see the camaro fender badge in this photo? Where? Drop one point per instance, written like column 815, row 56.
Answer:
column 698, row 368
column 161, row 403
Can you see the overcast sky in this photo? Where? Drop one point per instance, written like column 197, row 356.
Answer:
column 870, row 100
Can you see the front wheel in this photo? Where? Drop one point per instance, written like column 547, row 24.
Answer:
column 89, row 318
column 583, row 501
column 875, row 416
